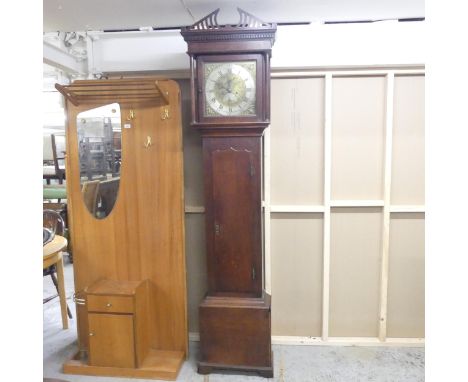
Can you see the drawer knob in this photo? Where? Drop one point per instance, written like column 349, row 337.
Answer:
column 108, row 304
column 91, row 334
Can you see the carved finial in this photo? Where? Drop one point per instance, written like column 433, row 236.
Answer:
column 248, row 20
column 207, row 22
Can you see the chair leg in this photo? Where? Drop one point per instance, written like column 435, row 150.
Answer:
column 69, row 312
column 54, row 280
column 44, row 300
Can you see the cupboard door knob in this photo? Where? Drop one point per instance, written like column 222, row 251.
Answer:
column 108, row 304
column 91, row 334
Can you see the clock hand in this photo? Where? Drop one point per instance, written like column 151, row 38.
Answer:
column 224, row 87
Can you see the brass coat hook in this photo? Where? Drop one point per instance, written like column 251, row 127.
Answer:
column 131, row 115
column 165, row 113
column 148, row 142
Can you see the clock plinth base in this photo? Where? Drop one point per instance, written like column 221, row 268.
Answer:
column 235, row 334
column 208, row 368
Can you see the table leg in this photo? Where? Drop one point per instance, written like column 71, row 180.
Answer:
column 61, row 289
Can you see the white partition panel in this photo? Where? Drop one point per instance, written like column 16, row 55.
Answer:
column 358, row 132
column 296, row 133
column 406, row 276
column 355, row 272
column 408, row 141
column 296, row 274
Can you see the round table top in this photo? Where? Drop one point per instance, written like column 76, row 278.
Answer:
column 56, row 245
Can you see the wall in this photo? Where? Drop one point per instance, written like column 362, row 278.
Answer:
column 344, row 208
column 344, row 175
column 316, row 45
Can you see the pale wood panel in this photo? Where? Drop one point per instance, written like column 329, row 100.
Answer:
column 326, row 205
column 193, row 162
column 406, row 276
column 358, row 132
column 355, row 271
column 197, row 281
column 111, row 340
column 142, row 323
column 296, row 274
column 296, row 129
column 386, row 212
column 143, row 237
column 408, row 141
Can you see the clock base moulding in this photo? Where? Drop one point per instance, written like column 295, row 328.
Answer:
column 235, row 334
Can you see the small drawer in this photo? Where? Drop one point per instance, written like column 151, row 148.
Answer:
column 110, row 304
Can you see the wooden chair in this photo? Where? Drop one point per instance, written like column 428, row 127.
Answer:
column 93, row 158
column 90, row 190
column 53, row 221
column 54, row 158
column 108, row 191
column 62, row 209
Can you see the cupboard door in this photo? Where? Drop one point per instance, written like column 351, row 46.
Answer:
column 111, row 340
column 235, row 210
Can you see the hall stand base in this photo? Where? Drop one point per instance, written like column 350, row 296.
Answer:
column 158, row 364
column 235, row 334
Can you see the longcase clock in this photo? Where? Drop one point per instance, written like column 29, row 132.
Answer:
column 230, row 85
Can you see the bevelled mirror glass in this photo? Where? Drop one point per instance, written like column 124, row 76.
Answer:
column 99, row 147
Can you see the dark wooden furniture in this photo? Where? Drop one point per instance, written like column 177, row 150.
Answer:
column 100, row 155
column 61, row 208
column 107, row 194
column 54, row 168
column 230, row 85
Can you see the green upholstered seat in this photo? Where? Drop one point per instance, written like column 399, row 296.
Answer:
column 54, row 192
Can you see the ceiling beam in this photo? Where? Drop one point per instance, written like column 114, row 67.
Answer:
column 63, row 60
column 374, row 45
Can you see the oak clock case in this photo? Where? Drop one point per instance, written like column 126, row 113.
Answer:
column 230, row 83
column 126, row 212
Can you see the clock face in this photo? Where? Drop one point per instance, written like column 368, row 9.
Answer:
column 230, row 88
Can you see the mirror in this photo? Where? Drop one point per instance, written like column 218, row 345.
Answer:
column 99, row 148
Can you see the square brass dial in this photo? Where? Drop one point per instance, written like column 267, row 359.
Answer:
column 230, row 88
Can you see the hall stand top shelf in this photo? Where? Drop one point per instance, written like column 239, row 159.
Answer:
column 130, row 90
